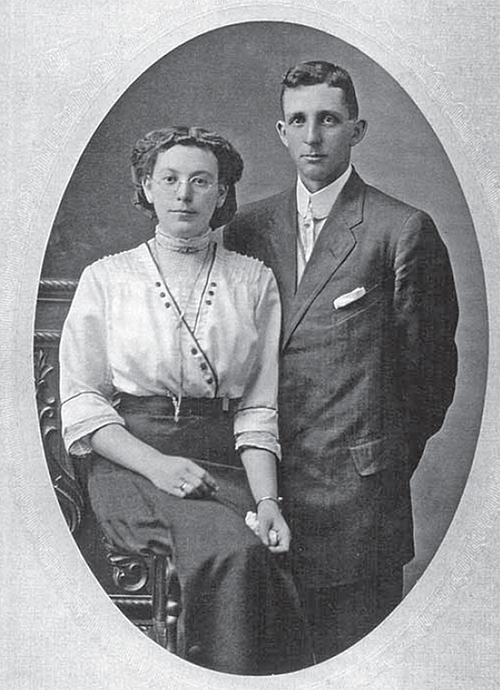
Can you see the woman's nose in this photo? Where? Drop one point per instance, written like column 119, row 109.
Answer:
column 184, row 190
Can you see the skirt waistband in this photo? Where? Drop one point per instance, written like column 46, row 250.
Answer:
column 189, row 407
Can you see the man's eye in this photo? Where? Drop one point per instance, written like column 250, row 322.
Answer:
column 297, row 120
column 330, row 120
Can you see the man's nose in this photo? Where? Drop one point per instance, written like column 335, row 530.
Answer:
column 312, row 132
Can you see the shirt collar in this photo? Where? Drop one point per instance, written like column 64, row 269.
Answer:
column 322, row 200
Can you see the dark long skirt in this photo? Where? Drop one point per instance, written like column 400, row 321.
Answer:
column 241, row 611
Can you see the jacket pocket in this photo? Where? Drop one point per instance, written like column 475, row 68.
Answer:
column 374, row 456
column 371, row 297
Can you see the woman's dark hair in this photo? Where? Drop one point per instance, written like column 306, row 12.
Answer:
column 321, row 72
column 230, row 164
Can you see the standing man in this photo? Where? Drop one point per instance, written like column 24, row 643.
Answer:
column 368, row 358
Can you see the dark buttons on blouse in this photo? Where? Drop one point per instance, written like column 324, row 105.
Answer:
column 208, row 301
column 194, row 351
column 211, row 293
column 158, row 284
column 203, row 366
column 212, row 284
column 167, row 304
column 162, row 294
column 210, row 380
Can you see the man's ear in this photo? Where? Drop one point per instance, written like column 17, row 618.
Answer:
column 281, row 129
column 359, row 131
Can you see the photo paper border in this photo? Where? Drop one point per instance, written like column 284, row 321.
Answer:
column 66, row 67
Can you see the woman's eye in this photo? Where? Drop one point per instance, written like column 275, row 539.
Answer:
column 330, row 120
column 200, row 182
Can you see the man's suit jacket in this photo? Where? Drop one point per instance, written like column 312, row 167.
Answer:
column 363, row 386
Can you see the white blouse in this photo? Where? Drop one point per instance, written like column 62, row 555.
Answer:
column 137, row 325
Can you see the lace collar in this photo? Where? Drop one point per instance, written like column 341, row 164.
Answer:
column 189, row 245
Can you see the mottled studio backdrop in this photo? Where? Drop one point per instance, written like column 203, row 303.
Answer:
column 228, row 80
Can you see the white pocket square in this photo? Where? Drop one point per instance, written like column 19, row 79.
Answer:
column 349, row 297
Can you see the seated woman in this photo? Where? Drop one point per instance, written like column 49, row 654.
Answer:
column 169, row 360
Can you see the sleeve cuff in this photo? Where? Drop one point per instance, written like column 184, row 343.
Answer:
column 258, row 439
column 77, row 436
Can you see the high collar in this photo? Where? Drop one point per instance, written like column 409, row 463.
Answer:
column 322, row 200
column 189, row 245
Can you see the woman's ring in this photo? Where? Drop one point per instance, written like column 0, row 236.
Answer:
column 183, row 486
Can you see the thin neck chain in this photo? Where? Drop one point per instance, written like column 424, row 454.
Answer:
column 205, row 268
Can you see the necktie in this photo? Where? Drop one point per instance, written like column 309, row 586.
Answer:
column 308, row 232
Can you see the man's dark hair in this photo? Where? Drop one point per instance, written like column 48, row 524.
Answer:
column 147, row 149
column 321, row 72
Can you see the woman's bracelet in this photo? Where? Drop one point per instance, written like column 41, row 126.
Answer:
column 278, row 501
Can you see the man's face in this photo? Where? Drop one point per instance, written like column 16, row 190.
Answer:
column 318, row 133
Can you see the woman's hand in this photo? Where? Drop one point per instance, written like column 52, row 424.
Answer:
column 260, row 466
column 273, row 529
column 176, row 475
column 181, row 477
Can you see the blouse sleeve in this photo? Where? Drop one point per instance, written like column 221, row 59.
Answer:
column 256, row 421
column 85, row 380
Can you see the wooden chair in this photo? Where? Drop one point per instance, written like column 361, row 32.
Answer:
column 155, row 613
column 145, row 587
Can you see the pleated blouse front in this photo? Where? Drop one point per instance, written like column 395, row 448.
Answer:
column 151, row 321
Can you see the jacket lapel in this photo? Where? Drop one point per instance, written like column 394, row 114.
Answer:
column 334, row 244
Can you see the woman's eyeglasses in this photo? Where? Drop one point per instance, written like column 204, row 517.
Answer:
column 199, row 184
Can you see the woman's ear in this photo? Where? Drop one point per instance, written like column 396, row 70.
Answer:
column 146, row 188
column 222, row 195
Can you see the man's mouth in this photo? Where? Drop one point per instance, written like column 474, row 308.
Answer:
column 313, row 157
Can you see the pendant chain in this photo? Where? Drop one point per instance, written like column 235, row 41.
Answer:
column 181, row 318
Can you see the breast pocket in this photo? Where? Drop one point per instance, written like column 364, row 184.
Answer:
column 357, row 305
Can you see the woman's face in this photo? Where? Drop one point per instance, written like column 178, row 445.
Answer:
column 184, row 190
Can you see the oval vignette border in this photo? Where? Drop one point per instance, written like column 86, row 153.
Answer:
column 92, row 618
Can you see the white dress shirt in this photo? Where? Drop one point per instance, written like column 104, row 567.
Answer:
column 313, row 210
column 123, row 333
